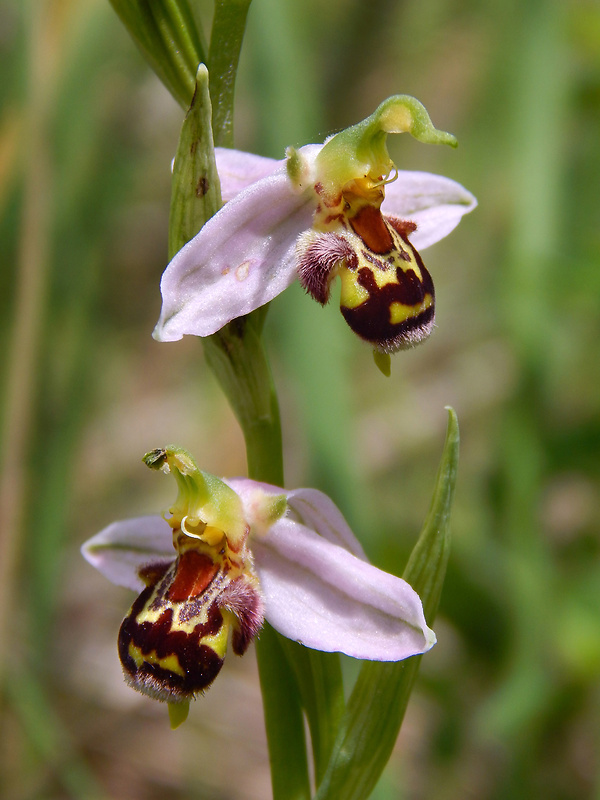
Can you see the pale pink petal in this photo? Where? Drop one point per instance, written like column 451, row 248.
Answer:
column 315, row 510
column 311, row 508
column 243, row 257
column 237, row 170
column 434, row 202
column 324, row 597
column 122, row 548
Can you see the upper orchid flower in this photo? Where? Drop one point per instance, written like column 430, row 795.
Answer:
column 338, row 209
column 245, row 551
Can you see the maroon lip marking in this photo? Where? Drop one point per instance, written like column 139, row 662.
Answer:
column 152, row 573
column 402, row 226
column 199, row 663
column 371, row 319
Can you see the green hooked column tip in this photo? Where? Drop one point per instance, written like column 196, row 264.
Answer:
column 361, row 152
column 202, row 497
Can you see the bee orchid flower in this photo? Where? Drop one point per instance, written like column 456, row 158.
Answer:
column 229, row 555
column 340, row 209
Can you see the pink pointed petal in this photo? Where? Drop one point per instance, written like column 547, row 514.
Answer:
column 434, row 202
column 237, row 170
column 324, row 597
column 243, row 257
column 122, row 548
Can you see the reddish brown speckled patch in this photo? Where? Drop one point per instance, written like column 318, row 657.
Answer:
column 369, row 224
column 194, row 573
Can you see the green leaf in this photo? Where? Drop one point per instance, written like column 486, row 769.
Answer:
column 319, row 678
column 170, row 40
column 229, row 25
column 379, row 699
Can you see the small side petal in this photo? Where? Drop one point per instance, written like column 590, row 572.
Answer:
column 434, row 202
column 243, row 257
column 315, row 510
column 309, row 507
column 122, row 548
column 324, row 597
column 237, row 170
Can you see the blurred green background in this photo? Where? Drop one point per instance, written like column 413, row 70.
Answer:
column 508, row 703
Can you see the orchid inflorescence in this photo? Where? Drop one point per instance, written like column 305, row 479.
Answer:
column 230, row 554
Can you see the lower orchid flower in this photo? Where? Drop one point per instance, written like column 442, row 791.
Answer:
column 230, row 554
column 340, row 209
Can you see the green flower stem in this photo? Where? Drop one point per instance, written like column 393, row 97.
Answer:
column 283, row 720
column 380, row 697
column 301, row 679
column 237, row 357
column 170, row 39
column 226, row 38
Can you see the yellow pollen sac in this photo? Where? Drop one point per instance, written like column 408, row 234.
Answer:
column 212, row 536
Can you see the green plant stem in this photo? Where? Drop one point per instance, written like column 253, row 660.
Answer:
column 237, row 357
column 229, row 25
column 284, row 722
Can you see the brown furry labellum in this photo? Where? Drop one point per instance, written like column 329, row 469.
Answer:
column 387, row 297
column 173, row 642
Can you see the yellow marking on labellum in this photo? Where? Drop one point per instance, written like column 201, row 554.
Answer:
column 352, row 294
column 218, row 641
column 400, row 312
column 170, row 662
column 213, row 536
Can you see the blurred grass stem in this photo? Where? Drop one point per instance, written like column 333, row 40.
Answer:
column 30, row 299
